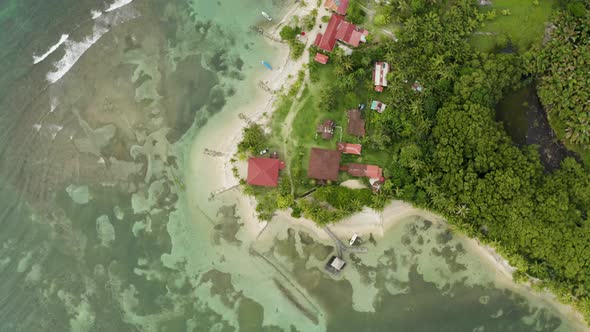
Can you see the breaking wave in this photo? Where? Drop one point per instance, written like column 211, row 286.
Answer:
column 95, row 14
column 118, row 4
column 74, row 50
column 37, row 59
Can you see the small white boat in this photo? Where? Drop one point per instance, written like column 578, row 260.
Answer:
column 266, row 16
column 353, row 239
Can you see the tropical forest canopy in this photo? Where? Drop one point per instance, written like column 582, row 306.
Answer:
column 562, row 66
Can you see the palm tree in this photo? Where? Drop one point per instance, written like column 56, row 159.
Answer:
column 416, row 107
column 346, row 63
column 410, row 27
column 462, row 210
column 537, row 269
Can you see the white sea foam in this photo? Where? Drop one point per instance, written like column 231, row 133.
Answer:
column 54, row 129
column 74, row 50
column 53, row 104
column 95, row 14
column 37, row 59
column 118, row 4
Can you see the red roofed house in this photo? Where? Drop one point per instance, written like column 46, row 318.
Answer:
column 337, row 6
column 339, row 29
column 264, row 171
column 362, row 170
column 380, row 75
column 349, row 148
column 321, row 58
column 324, row 164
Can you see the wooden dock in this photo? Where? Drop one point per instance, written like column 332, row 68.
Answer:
column 221, row 191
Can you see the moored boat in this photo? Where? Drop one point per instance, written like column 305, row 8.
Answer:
column 266, row 16
column 353, row 239
column 266, row 64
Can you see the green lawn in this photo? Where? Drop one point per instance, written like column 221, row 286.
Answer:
column 523, row 27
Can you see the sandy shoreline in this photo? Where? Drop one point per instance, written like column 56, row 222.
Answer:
column 364, row 223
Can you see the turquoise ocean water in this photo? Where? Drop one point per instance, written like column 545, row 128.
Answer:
column 100, row 106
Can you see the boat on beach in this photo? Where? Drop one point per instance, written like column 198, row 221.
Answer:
column 353, row 239
column 266, row 64
column 266, row 16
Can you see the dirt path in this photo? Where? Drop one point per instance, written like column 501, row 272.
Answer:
column 287, row 126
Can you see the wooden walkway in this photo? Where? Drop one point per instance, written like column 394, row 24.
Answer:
column 221, row 191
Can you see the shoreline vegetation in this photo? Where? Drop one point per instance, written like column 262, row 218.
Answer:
column 441, row 148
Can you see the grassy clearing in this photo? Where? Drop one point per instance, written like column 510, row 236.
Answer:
column 524, row 25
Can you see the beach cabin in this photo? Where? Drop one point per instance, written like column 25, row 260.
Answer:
column 323, row 164
column 378, row 106
column 321, row 58
column 326, row 129
column 380, row 75
column 337, row 6
column 335, row 264
column 264, row 171
column 356, row 125
column 340, row 30
column 362, row 170
column 349, row 148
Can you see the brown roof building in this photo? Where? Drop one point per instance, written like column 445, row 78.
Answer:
column 324, row 164
column 356, row 125
column 326, row 129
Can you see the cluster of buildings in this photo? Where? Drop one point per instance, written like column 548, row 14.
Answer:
column 324, row 164
column 338, row 30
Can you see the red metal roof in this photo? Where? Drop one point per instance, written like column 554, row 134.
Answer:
column 349, row 148
column 370, row 171
column 321, row 58
column 263, row 172
column 318, row 39
column 327, row 41
column 339, row 29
